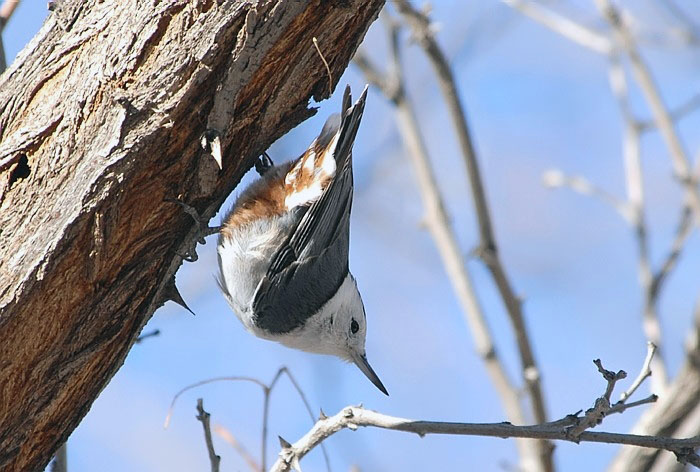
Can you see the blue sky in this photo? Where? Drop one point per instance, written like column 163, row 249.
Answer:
column 535, row 101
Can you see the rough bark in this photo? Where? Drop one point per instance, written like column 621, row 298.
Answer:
column 100, row 120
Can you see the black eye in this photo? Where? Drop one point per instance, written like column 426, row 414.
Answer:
column 354, row 327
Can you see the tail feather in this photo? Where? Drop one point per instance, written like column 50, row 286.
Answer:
column 350, row 123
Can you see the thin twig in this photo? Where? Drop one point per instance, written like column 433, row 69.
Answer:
column 557, row 179
column 267, row 390
column 204, row 382
column 691, row 105
column 691, row 27
column 203, row 416
column 488, row 247
column 437, row 222
column 325, row 63
column 662, row 118
column 150, row 334
column 683, row 230
column 634, row 183
column 228, row 436
column 601, row 407
column 620, row 407
column 562, row 25
column 611, row 377
column 643, row 373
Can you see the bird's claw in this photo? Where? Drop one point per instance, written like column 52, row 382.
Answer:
column 204, row 229
column 263, row 163
column 188, row 257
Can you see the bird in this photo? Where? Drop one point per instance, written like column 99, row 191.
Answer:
column 283, row 248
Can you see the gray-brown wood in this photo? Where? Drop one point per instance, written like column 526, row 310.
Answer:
column 672, row 414
column 100, row 121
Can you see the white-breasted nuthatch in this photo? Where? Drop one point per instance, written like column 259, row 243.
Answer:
column 283, row 249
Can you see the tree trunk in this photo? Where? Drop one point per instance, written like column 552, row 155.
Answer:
column 101, row 118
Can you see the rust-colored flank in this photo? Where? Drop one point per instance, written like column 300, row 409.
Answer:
column 266, row 197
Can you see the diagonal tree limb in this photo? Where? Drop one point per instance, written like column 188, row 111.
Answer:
column 634, row 183
column 437, row 222
column 87, row 245
column 488, row 247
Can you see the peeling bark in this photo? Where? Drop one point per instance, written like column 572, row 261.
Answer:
column 100, row 120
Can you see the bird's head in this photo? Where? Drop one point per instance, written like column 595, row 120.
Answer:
column 339, row 329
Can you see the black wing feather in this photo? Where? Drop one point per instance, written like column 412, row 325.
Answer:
column 310, row 266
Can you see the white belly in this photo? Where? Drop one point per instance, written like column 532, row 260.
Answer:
column 244, row 259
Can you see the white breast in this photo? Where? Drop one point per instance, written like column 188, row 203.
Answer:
column 244, row 259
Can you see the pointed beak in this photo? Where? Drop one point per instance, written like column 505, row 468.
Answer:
column 361, row 362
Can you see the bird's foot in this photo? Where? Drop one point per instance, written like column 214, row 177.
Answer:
column 204, row 230
column 263, row 164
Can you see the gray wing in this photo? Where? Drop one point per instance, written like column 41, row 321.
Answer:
column 311, row 265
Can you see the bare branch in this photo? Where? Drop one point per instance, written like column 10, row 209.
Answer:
column 566, row 27
column 555, row 179
column 620, row 407
column 690, row 106
column 228, row 436
column 488, row 247
column 683, row 230
column 354, row 417
column 150, row 334
column 307, row 405
column 204, row 382
column 662, row 118
column 595, row 415
column 678, row 402
column 203, row 416
column 267, row 390
column 440, row 228
column 611, row 377
column 571, row 427
column 634, row 182
column 643, row 374
column 690, row 426
column 690, row 32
